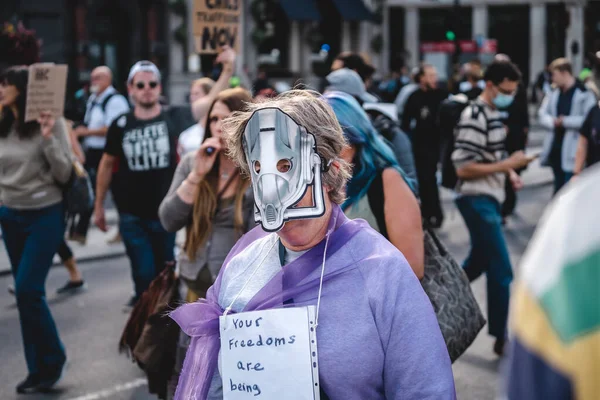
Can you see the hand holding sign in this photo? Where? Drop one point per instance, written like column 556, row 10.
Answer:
column 226, row 57
column 46, row 121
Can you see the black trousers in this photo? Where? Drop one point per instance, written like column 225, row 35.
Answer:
column 92, row 161
column 510, row 199
column 426, row 165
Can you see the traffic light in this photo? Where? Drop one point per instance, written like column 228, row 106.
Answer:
column 450, row 35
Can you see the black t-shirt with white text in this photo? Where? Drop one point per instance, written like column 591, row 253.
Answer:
column 146, row 150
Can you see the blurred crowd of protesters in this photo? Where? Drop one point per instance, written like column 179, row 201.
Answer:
column 168, row 169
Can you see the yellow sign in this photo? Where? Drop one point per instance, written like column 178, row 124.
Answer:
column 216, row 24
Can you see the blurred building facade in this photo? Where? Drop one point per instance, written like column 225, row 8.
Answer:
column 288, row 38
column 531, row 32
column 88, row 33
column 300, row 38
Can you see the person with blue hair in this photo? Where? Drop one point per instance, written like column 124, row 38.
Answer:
column 378, row 191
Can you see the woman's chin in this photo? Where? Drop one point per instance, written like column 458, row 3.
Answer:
column 293, row 233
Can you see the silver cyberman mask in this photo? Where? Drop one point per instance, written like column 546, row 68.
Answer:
column 283, row 163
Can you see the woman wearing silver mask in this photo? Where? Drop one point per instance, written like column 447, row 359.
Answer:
column 377, row 334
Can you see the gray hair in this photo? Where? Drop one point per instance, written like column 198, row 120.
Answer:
column 311, row 112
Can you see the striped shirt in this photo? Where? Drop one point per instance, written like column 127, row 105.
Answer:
column 479, row 137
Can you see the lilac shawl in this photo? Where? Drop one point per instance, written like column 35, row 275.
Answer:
column 200, row 320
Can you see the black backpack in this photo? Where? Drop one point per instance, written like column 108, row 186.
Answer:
column 448, row 118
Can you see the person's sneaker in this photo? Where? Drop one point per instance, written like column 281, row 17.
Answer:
column 29, row 385
column 11, row 289
column 75, row 237
column 500, row 347
column 72, row 287
column 51, row 379
column 116, row 239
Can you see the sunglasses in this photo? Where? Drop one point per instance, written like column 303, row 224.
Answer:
column 142, row 85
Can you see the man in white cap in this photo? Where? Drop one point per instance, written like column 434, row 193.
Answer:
column 144, row 143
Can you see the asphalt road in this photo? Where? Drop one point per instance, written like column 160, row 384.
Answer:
column 90, row 323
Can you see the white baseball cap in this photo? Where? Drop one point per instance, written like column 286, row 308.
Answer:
column 143, row 66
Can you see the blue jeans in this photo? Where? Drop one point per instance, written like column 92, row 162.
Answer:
column 149, row 246
column 488, row 254
column 32, row 237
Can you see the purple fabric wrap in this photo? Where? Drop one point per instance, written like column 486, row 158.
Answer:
column 200, row 320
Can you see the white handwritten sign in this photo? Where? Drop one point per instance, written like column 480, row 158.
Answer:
column 216, row 23
column 270, row 355
column 46, row 87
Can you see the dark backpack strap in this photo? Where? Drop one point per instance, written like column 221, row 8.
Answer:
column 377, row 201
column 105, row 102
column 107, row 99
column 477, row 109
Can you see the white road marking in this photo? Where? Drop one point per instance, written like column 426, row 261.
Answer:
column 107, row 393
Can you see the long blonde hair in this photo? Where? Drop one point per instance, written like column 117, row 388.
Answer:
column 205, row 202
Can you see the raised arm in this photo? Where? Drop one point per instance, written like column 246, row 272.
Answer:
column 201, row 106
column 177, row 207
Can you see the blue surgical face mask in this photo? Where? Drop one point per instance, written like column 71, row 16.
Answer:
column 503, row 100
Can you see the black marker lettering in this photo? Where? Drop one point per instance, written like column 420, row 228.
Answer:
column 256, row 322
column 292, row 339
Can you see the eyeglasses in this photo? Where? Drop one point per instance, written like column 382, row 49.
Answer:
column 142, row 85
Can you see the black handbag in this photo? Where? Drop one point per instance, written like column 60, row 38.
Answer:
column 449, row 291
column 78, row 192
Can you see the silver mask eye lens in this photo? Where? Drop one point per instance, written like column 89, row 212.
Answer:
column 284, row 165
column 257, row 167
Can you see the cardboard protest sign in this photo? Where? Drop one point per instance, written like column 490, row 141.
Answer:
column 46, row 89
column 270, row 354
column 216, row 23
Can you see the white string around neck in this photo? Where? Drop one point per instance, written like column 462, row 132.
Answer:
column 321, row 281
